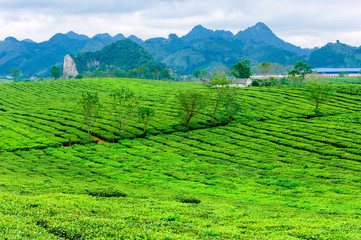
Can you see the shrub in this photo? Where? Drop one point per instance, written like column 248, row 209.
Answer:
column 106, row 193
column 255, row 83
column 79, row 76
column 188, row 199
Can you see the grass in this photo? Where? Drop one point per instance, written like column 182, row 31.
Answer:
column 276, row 173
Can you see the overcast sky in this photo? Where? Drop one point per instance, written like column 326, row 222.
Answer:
column 304, row 23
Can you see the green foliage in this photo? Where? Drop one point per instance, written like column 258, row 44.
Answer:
column 231, row 103
column 79, row 76
column 55, row 72
column 241, row 69
column 189, row 199
column 264, row 68
column 300, row 70
column 271, row 82
column 256, row 83
column 165, row 74
column 117, row 58
column 15, row 73
column 107, row 193
column 89, row 107
column 343, row 74
column 252, row 176
column 218, row 90
column 145, row 116
column 189, row 104
column 203, row 76
column 155, row 73
column 197, row 73
column 319, row 93
column 124, row 106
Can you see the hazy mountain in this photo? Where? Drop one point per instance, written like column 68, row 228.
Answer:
column 135, row 39
column 204, row 48
column 262, row 34
column 36, row 58
column 200, row 48
column 76, row 36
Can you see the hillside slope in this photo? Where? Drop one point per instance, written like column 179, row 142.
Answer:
column 276, row 173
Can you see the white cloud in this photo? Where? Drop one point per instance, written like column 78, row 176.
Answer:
column 306, row 23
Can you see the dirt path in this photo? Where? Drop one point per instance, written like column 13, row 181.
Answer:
column 99, row 140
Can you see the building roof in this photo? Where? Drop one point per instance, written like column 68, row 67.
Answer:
column 336, row 70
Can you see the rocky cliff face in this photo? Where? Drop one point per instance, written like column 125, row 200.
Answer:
column 69, row 68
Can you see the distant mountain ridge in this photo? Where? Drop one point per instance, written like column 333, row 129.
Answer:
column 204, row 48
column 201, row 48
column 36, row 58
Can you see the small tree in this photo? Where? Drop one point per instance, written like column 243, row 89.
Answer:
column 230, row 103
column 55, row 72
column 145, row 115
column 15, row 73
column 155, row 73
column 79, row 76
column 142, row 70
column 203, row 75
column 219, row 83
column 190, row 103
column 100, row 74
column 197, row 73
column 124, row 106
column 111, row 71
column 89, row 108
column 318, row 93
column 241, row 69
column 165, row 74
column 299, row 71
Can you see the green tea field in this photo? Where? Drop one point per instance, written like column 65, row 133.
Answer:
column 276, row 172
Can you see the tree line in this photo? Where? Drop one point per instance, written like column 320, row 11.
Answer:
column 222, row 99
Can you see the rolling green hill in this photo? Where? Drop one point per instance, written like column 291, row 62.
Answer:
column 275, row 173
column 124, row 54
column 336, row 55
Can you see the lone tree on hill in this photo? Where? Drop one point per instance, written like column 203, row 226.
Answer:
column 190, row 103
column 319, row 93
column 100, row 74
column 124, row 106
column 241, row 69
column 230, row 103
column 219, row 85
column 145, row 115
column 89, row 107
column 55, row 71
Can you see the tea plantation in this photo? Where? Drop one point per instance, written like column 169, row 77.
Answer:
column 276, row 172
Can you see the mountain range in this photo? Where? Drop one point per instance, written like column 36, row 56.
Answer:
column 201, row 48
